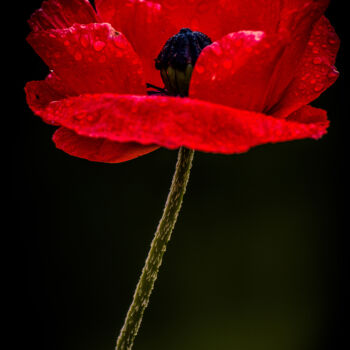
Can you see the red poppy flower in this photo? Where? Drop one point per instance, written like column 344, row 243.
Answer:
column 252, row 85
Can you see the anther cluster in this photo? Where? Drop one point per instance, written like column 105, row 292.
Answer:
column 182, row 49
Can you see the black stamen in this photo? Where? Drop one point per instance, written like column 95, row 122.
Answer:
column 182, row 49
column 177, row 59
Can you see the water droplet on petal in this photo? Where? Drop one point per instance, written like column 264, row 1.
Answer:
column 217, row 49
column 318, row 87
column 79, row 116
column 84, row 40
column 99, row 45
column 317, row 60
column 78, row 56
column 120, row 42
column 66, row 43
column 332, row 41
column 199, row 69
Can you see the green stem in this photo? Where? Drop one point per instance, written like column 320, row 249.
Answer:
column 155, row 255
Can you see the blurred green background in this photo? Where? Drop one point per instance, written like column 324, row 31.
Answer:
column 253, row 263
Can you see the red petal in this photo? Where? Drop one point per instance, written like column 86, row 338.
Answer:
column 316, row 71
column 97, row 149
column 237, row 70
column 298, row 24
column 249, row 71
column 309, row 115
column 41, row 93
column 218, row 18
column 214, row 18
column 173, row 122
column 159, row 20
column 91, row 59
column 145, row 26
column 55, row 14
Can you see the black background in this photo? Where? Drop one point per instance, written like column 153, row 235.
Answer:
column 258, row 257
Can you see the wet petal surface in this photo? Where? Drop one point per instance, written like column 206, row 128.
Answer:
column 91, row 58
column 98, row 149
column 175, row 122
column 59, row 14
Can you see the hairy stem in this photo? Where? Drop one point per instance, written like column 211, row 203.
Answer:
column 158, row 247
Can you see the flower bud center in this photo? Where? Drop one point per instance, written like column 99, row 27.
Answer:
column 177, row 59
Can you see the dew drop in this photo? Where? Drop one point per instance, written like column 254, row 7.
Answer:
column 99, row 45
column 66, row 43
column 199, row 69
column 317, row 60
column 78, row 56
column 217, row 50
column 79, row 116
column 120, row 42
column 332, row 41
column 318, row 87
column 84, row 40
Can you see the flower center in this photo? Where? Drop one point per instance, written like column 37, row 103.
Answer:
column 177, row 59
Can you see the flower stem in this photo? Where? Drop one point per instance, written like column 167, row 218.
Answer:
column 158, row 247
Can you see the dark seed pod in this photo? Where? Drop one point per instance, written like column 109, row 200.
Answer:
column 177, row 59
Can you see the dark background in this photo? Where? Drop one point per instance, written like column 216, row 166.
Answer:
column 258, row 256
